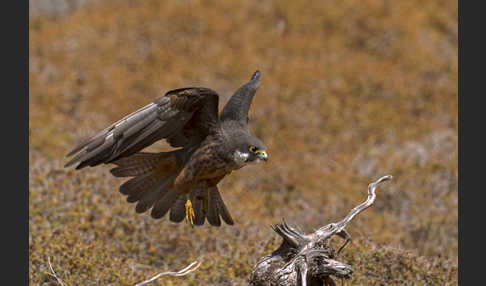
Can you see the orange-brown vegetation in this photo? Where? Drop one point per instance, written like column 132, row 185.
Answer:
column 351, row 90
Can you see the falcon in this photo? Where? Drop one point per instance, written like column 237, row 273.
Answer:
column 207, row 146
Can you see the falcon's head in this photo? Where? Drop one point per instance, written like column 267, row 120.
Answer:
column 247, row 148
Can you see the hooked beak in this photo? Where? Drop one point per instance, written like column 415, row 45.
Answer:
column 262, row 155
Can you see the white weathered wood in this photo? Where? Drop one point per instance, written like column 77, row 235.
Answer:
column 188, row 269
column 308, row 259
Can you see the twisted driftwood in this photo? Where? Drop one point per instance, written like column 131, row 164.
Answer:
column 308, row 259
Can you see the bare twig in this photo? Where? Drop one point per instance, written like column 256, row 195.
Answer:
column 54, row 273
column 338, row 228
column 369, row 201
column 181, row 272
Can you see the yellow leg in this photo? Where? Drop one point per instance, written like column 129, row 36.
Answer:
column 189, row 212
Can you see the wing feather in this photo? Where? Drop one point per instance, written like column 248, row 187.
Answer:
column 166, row 117
column 239, row 104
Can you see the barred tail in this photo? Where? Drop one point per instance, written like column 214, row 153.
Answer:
column 139, row 164
column 207, row 204
column 154, row 174
column 151, row 186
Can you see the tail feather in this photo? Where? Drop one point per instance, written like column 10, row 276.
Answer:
column 154, row 194
column 163, row 205
column 135, row 188
column 213, row 211
column 153, row 175
column 178, row 210
column 198, row 200
column 137, row 164
column 207, row 203
column 223, row 210
column 142, row 188
column 127, row 187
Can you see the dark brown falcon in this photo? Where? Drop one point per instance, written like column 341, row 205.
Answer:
column 184, row 180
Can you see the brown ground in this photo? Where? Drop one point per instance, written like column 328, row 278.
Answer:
column 351, row 91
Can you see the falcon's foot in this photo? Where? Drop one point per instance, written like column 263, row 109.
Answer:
column 189, row 212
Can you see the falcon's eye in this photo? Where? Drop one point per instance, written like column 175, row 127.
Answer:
column 253, row 149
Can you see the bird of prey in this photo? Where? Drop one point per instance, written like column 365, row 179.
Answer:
column 184, row 180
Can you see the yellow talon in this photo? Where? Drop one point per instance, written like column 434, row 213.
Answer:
column 189, row 212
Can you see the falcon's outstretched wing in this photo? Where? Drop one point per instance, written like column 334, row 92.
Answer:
column 189, row 113
column 239, row 104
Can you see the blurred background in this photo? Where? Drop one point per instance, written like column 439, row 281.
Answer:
column 351, row 90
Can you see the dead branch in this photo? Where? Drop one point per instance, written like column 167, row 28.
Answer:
column 188, row 269
column 308, row 259
column 54, row 273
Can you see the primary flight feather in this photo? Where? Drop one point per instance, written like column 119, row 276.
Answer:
column 183, row 181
